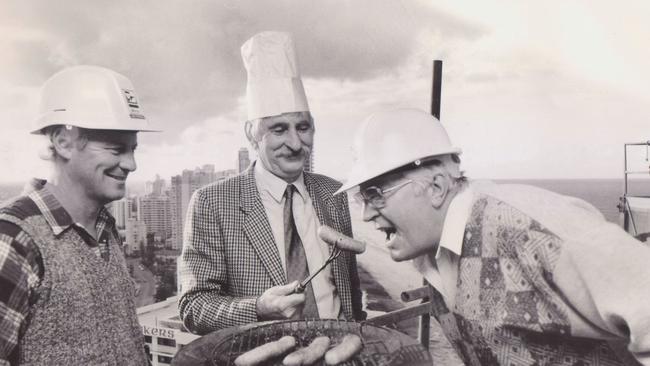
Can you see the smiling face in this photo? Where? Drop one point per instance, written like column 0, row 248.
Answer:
column 411, row 217
column 284, row 143
column 100, row 161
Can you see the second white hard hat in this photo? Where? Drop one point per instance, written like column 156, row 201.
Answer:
column 391, row 139
column 90, row 97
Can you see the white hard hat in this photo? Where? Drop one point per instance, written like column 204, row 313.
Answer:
column 90, row 97
column 392, row 139
column 274, row 86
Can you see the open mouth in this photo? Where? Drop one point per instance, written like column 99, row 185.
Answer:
column 121, row 178
column 389, row 231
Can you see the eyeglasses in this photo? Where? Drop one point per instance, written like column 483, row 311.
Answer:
column 376, row 196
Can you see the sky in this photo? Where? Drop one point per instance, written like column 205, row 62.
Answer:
column 530, row 89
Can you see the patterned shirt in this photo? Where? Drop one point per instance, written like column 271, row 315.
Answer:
column 543, row 279
column 21, row 265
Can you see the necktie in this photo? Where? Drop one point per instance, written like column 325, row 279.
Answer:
column 297, row 268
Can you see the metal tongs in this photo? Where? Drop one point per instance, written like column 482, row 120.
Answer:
column 301, row 287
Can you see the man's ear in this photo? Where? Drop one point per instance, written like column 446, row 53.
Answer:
column 64, row 143
column 439, row 188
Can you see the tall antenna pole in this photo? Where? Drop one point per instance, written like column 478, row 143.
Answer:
column 424, row 324
column 436, row 88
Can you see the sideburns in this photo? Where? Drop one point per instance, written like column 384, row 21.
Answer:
column 81, row 143
column 81, row 140
column 424, row 181
column 421, row 185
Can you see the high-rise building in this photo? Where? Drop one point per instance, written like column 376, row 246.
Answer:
column 243, row 159
column 164, row 334
column 181, row 191
column 155, row 211
column 121, row 210
column 148, row 188
column 155, row 188
column 136, row 235
column 225, row 174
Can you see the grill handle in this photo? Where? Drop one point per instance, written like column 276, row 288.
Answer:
column 302, row 285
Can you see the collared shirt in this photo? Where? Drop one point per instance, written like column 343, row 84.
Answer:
column 21, row 265
column 442, row 273
column 271, row 190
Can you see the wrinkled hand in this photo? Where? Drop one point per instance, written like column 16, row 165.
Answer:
column 279, row 302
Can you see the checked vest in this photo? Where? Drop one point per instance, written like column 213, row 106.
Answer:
column 83, row 311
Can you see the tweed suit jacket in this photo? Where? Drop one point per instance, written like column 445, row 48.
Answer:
column 230, row 258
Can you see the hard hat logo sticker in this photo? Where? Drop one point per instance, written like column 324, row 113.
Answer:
column 131, row 99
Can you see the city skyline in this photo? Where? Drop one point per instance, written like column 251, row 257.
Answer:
column 159, row 209
column 529, row 90
column 139, row 187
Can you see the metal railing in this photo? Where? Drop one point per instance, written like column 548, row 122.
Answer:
column 624, row 204
column 422, row 310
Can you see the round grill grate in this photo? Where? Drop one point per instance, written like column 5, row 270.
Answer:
column 381, row 346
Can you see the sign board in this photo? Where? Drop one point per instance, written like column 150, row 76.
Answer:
column 158, row 332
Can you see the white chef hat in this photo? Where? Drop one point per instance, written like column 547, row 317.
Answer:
column 274, row 86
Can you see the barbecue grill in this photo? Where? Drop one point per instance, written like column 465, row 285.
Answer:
column 381, row 346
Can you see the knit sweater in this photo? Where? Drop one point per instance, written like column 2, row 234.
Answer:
column 83, row 310
column 544, row 280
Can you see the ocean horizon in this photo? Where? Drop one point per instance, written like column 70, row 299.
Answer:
column 604, row 194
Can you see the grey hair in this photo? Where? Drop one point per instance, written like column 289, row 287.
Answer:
column 457, row 176
column 252, row 127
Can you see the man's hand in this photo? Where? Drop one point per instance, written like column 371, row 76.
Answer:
column 279, row 302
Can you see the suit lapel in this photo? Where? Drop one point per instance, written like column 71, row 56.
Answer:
column 257, row 229
column 324, row 204
column 328, row 214
column 320, row 199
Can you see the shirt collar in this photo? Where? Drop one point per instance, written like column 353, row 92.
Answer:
column 453, row 231
column 451, row 239
column 54, row 213
column 275, row 186
column 456, row 219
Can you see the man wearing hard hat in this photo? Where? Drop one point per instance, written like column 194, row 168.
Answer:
column 67, row 298
column 522, row 276
column 250, row 239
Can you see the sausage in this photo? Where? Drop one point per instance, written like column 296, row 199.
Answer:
column 333, row 237
column 309, row 354
column 350, row 345
column 263, row 353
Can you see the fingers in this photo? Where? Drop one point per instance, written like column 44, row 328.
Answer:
column 284, row 289
column 292, row 300
column 279, row 302
column 289, row 305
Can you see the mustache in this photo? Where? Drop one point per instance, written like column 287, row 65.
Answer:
column 289, row 153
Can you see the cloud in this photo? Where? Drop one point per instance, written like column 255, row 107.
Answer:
column 184, row 60
column 215, row 140
column 363, row 39
column 545, row 74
